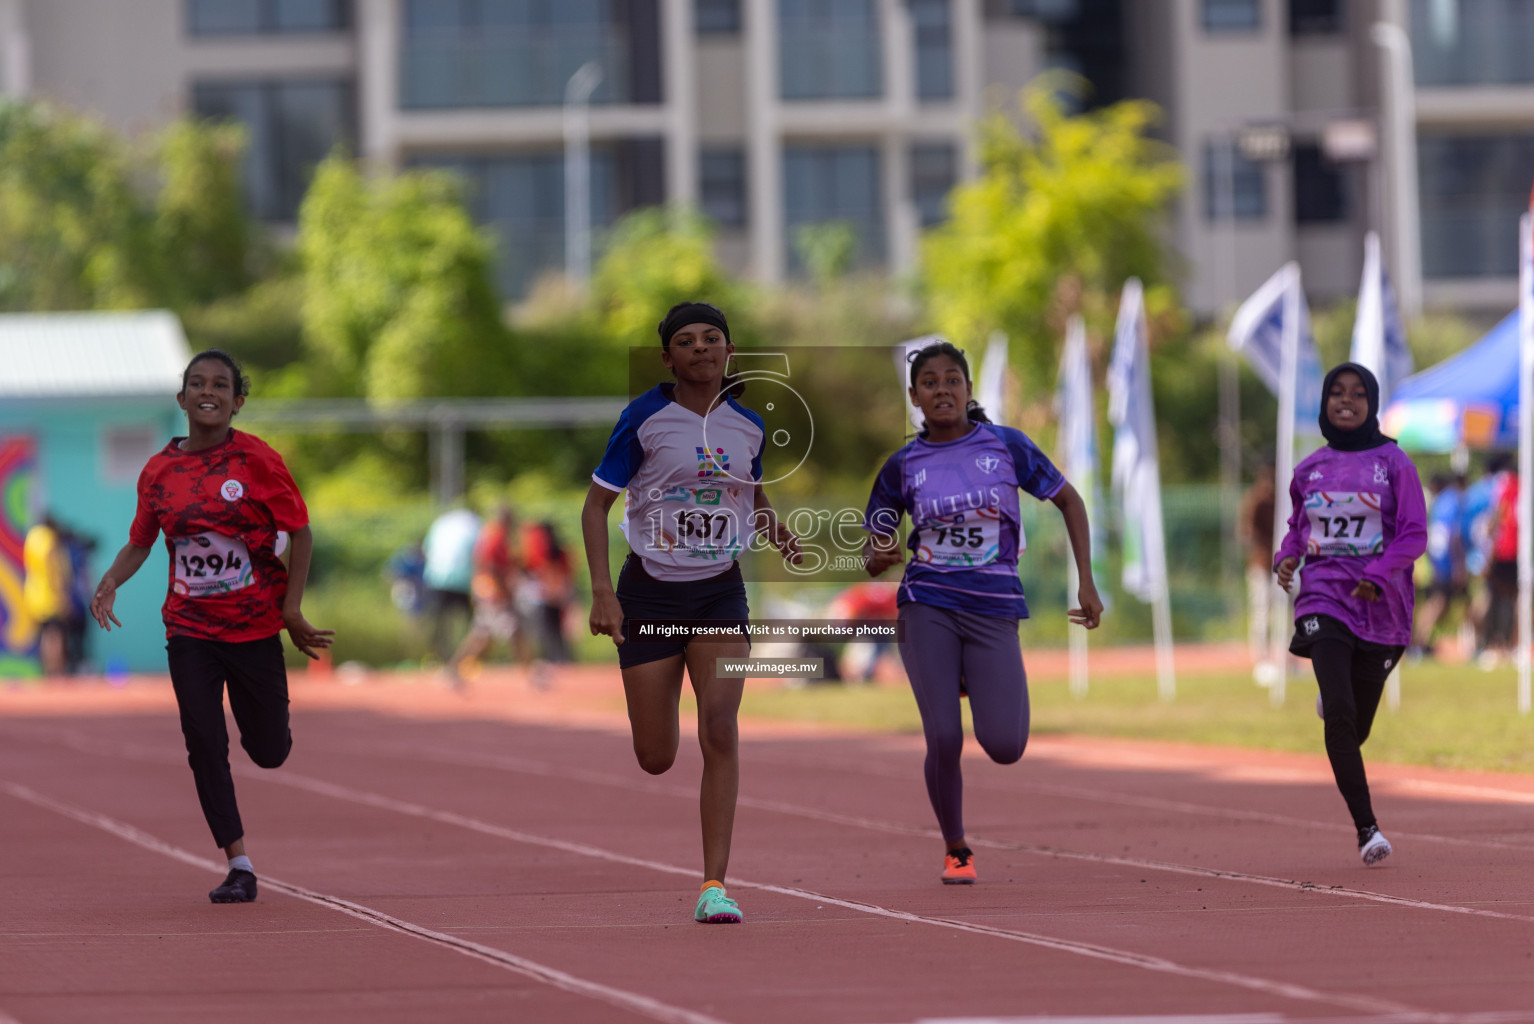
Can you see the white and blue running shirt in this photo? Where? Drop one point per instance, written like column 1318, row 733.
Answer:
column 690, row 482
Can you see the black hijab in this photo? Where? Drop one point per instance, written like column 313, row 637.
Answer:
column 1367, row 434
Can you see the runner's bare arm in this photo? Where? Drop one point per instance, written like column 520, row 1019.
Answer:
column 1089, row 610
column 304, row 636
column 128, row 561
column 606, row 612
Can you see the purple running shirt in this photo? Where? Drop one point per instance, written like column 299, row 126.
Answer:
column 1357, row 515
column 966, row 531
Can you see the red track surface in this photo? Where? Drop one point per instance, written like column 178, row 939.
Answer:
column 428, row 856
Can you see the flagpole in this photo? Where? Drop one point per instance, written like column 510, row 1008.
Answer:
column 1525, row 453
column 1283, row 471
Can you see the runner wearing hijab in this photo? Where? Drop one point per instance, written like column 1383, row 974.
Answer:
column 690, row 457
column 223, row 498
column 1359, row 521
column 961, row 598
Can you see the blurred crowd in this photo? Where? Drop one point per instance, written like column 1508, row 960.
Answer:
column 510, row 582
column 56, row 593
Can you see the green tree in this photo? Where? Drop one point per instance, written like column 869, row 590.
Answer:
column 398, row 297
column 1079, row 198
column 91, row 221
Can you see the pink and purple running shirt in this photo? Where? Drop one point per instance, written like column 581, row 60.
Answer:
column 966, row 528
column 1357, row 516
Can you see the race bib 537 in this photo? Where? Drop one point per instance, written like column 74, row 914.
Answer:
column 209, row 563
column 1345, row 523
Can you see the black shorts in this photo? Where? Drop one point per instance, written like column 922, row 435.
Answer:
column 719, row 598
column 1504, row 572
column 1328, row 628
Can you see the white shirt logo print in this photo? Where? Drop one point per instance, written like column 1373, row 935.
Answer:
column 987, row 463
column 1380, row 476
column 1311, row 625
column 1315, row 474
column 921, row 478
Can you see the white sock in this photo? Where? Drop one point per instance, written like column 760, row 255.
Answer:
column 241, row 862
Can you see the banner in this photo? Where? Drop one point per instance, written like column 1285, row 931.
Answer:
column 1136, row 468
column 1076, row 410
column 1258, row 332
column 1379, row 340
column 18, row 633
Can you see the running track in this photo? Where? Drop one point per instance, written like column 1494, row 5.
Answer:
column 501, row 858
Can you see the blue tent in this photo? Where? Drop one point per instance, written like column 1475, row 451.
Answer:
column 1469, row 399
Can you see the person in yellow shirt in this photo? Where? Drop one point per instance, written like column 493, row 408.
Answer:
column 45, row 592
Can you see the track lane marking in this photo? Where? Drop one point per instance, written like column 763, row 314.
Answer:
column 543, row 769
column 621, row 998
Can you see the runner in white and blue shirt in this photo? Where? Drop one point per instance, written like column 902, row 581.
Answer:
column 688, row 458
column 961, row 598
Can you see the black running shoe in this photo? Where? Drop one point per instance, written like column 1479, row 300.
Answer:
column 239, row 887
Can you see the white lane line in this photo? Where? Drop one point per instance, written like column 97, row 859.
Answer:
column 512, row 763
column 6, row 1018
column 1492, row 1017
column 1161, row 965
column 1142, row 802
column 633, row 1001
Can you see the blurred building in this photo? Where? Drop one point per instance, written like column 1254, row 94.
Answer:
column 85, row 400
column 776, row 114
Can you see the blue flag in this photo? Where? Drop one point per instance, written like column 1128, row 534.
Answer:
column 1257, row 332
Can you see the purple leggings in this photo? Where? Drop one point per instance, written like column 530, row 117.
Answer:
column 940, row 645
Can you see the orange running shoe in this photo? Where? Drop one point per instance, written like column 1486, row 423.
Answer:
column 959, row 867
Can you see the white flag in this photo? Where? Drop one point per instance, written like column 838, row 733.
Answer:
column 1257, row 332
column 1136, row 468
column 1379, row 341
column 1077, row 413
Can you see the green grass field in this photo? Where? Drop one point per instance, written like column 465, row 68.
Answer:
column 1451, row 716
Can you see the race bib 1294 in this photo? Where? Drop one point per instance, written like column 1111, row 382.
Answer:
column 1344, row 523
column 206, row 564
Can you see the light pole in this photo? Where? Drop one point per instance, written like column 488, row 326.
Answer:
column 577, row 126
column 1400, row 103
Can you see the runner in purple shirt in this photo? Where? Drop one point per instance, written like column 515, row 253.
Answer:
column 1359, row 522
column 961, row 598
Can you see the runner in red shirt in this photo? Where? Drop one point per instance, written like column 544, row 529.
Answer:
column 224, row 500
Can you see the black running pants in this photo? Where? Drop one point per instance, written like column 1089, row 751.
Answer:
column 258, row 696
column 1351, row 678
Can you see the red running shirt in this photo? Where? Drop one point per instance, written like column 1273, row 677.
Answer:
column 220, row 510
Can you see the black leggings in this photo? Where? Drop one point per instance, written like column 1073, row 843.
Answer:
column 1351, row 678
column 258, row 696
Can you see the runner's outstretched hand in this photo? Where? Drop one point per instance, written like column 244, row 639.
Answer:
column 1090, row 610
column 306, row 637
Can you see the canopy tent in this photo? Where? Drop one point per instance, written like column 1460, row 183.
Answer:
column 1470, row 399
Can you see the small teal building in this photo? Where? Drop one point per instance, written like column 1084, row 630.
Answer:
column 85, row 400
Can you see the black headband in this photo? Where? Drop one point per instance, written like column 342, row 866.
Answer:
column 692, row 313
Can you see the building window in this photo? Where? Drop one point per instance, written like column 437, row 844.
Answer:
column 829, row 49
column 722, row 184
column 1320, row 187
column 1472, row 42
column 1232, row 15
column 290, row 127
column 520, row 198
column 518, row 53
column 831, row 184
column 934, row 171
column 1315, row 17
column 266, row 17
column 1472, row 189
column 716, row 17
column 1233, row 185
column 933, row 24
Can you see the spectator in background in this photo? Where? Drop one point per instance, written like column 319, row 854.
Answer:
column 859, row 602
column 492, row 590
column 1502, row 570
column 405, row 572
column 1256, row 526
column 1480, row 503
column 1445, row 556
column 543, row 593
column 449, row 571
column 46, row 591
column 78, row 547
